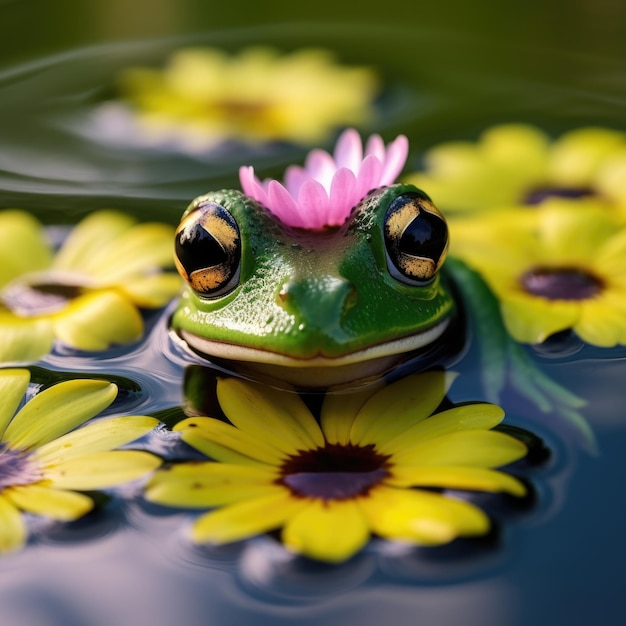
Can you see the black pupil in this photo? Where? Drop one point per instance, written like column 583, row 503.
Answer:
column 197, row 249
column 425, row 236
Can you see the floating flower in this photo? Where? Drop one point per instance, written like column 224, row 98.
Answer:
column 552, row 270
column 370, row 467
column 205, row 96
column 518, row 164
column 324, row 192
column 88, row 294
column 44, row 466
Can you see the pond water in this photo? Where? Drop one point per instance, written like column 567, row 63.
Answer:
column 450, row 70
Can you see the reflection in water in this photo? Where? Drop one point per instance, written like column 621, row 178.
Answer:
column 98, row 590
column 268, row 571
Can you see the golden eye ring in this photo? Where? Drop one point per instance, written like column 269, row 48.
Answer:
column 208, row 250
column 416, row 238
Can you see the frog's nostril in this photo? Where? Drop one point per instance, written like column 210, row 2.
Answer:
column 322, row 301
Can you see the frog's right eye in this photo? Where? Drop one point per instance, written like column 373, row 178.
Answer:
column 416, row 238
column 208, row 250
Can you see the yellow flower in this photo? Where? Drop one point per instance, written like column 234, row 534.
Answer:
column 88, row 294
column 552, row 270
column 330, row 485
column 43, row 466
column 205, row 96
column 517, row 164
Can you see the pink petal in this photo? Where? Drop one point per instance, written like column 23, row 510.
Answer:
column 282, row 204
column 251, row 186
column 328, row 188
column 376, row 146
column 343, row 196
column 294, row 178
column 349, row 150
column 397, row 153
column 369, row 175
column 320, row 166
column 313, row 203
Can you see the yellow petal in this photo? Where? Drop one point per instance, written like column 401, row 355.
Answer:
column 465, row 417
column 454, row 158
column 573, row 236
column 91, row 234
column 456, row 477
column 20, row 232
column 519, row 146
column 421, row 517
column 269, row 415
column 304, row 95
column 100, row 436
column 576, row 156
column 611, row 302
column 153, row 291
column 476, row 448
column 13, row 531
column 327, row 531
column 53, row 503
column 532, row 320
column 503, row 279
column 224, row 442
column 609, row 179
column 248, row 518
column 339, row 410
column 24, row 340
column 503, row 241
column 397, row 407
column 57, row 410
column 101, row 470
column 202, row 485
column 13, row 386
column 601, row 324
column 97, row 320
column 612, row 256
column 142, row 249
column 462, row 176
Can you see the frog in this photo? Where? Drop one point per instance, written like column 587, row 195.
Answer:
column 340, row 278
column 313, row 307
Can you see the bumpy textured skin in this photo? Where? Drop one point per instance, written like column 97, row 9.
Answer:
column 305, row 294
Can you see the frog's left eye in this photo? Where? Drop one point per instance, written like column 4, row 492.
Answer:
column 208, row 250
column 416, row 238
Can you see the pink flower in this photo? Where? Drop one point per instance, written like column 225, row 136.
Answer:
column 325, row 190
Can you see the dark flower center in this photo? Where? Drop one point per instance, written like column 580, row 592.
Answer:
column 539, row 194
column 28, row 300
column 334, row 472
column 243, row 111
column 16, row 468
column 561, row 283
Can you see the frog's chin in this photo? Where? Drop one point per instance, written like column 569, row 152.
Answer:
column 317, row 371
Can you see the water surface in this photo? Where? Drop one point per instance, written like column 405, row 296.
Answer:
column 449, row 73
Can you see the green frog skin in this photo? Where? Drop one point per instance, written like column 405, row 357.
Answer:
column 313, row 308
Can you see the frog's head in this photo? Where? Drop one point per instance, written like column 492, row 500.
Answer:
column 313, row 306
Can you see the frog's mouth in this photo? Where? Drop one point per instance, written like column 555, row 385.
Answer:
column 351, row 366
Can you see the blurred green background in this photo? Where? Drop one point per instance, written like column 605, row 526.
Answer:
column 450, row 69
